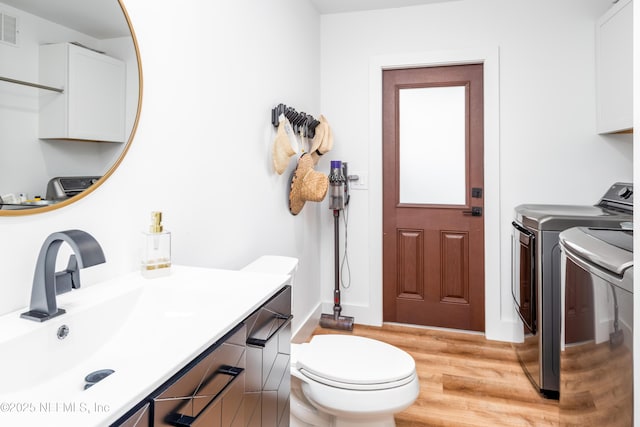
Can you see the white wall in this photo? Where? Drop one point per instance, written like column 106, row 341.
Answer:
column 201, row 154
column 549, row 151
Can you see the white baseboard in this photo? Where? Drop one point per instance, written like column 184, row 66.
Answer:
column 507, row 330
column 303, row 330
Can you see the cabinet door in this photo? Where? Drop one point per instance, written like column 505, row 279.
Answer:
column 267, row 374
column 139, row 418
column 92, row 105
column 614, row 68
column 209, row 392
column 96, row 96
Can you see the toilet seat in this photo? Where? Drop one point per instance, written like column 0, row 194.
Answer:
column 354, row 363
column 357, row 387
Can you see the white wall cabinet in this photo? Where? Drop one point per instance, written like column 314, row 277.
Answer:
column 614, row 68
column 92, row 106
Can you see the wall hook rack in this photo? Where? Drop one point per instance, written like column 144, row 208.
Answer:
column 300, row 121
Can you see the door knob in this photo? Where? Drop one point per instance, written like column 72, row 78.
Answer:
column 475, row 211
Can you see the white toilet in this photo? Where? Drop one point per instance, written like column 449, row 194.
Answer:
column 350, row 381
column 344, row 380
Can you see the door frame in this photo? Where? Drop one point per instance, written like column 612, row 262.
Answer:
column 497, row 310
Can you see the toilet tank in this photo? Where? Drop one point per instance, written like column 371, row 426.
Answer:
column 274, row 264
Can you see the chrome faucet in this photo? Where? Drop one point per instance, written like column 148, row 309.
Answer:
column 47, row 283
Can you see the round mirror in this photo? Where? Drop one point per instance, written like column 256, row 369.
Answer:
column 70, row 97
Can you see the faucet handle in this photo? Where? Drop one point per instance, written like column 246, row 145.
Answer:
column 68, row 279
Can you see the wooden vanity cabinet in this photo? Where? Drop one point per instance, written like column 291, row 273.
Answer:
column 138, row 417
column 92, row 105
column 268, row 379
column 243, row 380
column 209, row 391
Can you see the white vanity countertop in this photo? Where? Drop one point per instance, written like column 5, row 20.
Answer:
column 146, row 331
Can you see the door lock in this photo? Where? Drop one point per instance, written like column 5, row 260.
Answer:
column 475, row 211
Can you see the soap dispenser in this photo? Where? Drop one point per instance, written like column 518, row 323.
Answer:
column 156, row 249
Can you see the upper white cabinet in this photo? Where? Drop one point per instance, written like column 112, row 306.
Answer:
column 92, row 105
column 614, row 68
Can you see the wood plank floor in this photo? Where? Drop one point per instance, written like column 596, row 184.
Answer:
column 465, row 380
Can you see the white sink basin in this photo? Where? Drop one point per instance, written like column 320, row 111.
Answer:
column 38, row 355
column 144, row 330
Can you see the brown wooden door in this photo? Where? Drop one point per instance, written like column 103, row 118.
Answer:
column 433, row 247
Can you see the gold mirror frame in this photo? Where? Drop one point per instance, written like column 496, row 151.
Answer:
column 70, row 200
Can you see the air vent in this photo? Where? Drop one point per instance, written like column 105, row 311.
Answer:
column 8, row 29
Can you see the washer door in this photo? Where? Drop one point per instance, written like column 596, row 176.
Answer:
column 597, row 366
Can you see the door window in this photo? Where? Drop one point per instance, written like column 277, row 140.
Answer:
column 432, row 138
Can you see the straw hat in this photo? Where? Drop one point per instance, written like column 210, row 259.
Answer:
column 282, row 148
column 323, row 139
column 307, row 185
column 319, row 135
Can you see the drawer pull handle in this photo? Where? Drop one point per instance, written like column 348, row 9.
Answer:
column 259, row 342
column 181, row 420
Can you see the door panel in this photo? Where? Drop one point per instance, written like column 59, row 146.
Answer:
column 433, row 248
column 410, row 264
column 454, row 259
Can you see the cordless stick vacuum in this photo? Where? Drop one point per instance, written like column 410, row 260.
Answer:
column 337, row 194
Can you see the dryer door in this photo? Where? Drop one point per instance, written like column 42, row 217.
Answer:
column 523, row 275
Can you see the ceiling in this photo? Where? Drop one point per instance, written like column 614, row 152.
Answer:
column 339, row 6
column 101, row 19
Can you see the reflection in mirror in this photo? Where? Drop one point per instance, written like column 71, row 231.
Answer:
column 54, row 145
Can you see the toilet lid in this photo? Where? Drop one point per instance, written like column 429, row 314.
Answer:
column 355, row 362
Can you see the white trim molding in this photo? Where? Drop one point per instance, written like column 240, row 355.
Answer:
column 499, row 322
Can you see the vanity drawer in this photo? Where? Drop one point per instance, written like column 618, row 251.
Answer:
column 139, row 418
column 267, row 379
column 270, row 322
column 195, row 396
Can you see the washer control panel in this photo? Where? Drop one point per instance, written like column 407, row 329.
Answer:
column 619, row 196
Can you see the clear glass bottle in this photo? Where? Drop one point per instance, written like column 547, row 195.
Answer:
column 156, row 249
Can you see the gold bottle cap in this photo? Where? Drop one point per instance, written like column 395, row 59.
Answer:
column 156, row 222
